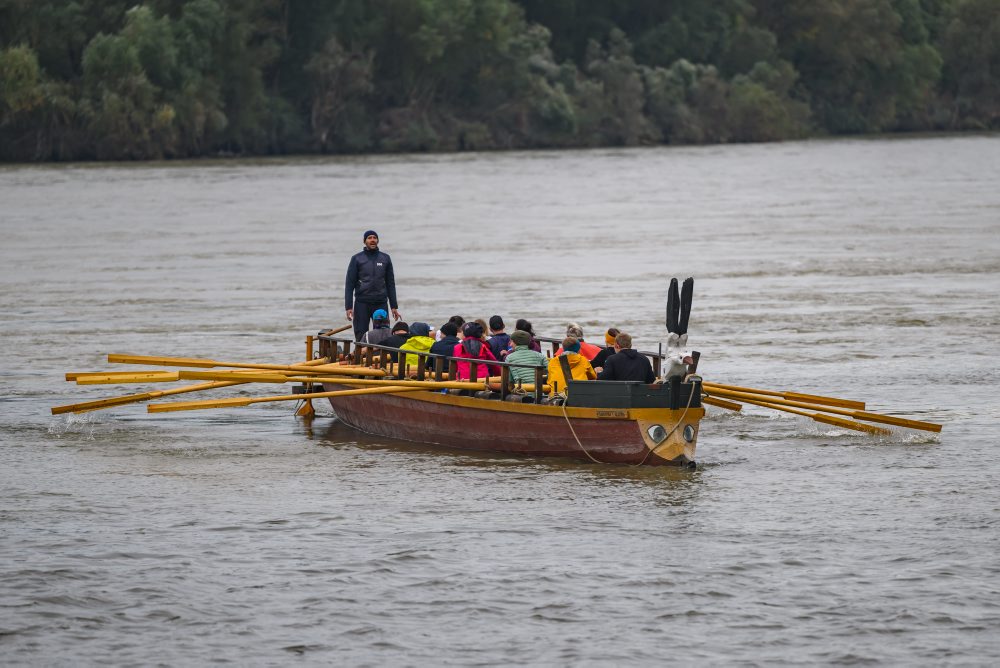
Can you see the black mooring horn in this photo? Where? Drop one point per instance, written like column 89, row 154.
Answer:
column 673, row 306
column 687, row 290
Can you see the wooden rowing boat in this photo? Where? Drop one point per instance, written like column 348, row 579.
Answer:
column 601, row 421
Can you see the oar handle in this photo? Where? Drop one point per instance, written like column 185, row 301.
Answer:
column 331, row 332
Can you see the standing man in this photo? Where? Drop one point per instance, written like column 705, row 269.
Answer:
column 370, row 285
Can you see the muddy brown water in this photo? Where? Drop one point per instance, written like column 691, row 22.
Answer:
column 863, row 269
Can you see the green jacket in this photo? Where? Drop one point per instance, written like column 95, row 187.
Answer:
column 524, row 355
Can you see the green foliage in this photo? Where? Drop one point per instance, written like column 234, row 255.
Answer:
column 342, row 81
column 111, row 79
column 19, row 82
column 759, row 108
column 119, row 102
column 971, row 51
column 623, row 120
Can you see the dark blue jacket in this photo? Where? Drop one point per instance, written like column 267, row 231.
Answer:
column 445, row 347
column 498, row 344
column 627, row 365
column 370, row 279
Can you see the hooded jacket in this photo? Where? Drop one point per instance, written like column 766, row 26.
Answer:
column 475, row 349
column 627, row 365
column 579, row 367
column 419, row 343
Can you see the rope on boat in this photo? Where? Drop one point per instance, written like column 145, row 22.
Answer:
column 566, row 415
column 677, row 424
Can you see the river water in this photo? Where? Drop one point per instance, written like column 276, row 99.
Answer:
column 866, row 269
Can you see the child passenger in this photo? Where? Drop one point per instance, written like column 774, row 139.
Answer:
column 523, row 354
column 474, row 347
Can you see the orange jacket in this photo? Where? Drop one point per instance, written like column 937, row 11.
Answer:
column 588, row 350
column 579, row 368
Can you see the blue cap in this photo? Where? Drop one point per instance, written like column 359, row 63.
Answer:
column 380, row 315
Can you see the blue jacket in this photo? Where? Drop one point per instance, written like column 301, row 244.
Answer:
column 627, row 365
column 498, row 344
column 370, row 279
column 445, row 346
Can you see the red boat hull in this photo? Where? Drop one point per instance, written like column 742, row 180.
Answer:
column 467, row 423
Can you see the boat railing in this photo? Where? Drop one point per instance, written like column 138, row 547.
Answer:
column 435, row 366
column 429, row 366
column 656, row 359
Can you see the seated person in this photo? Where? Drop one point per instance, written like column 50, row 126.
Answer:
column 380, row 330
column 525, row 325
column 579, row 366
column 447, row 340
column 607, row 351
column 420, row 340
column 400, row 333
column 523, row 354
column 456, row 320
column 588, row 350
column 627, row 364
column 499, row 339
column 473, row 346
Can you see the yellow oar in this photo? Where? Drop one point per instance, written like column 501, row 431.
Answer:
column 77, row 375
column 867, row 416
column 325, row 366
column 721, row 403
column 827, row 419
column 365, row 382
column 98, row 404
column 110, row 402
column 331, row 332
column 279, row 378
column 126, row 378
column 791, row 396
column 239, row 402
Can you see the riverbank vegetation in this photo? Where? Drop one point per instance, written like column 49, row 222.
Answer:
column 111, row 79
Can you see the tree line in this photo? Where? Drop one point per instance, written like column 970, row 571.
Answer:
column 112, row 79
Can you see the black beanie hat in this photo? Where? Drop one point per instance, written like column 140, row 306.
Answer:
column 368, row 233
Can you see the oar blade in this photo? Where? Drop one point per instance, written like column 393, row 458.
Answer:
column 899, row 422
column 98, row 404
column 850, row 424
